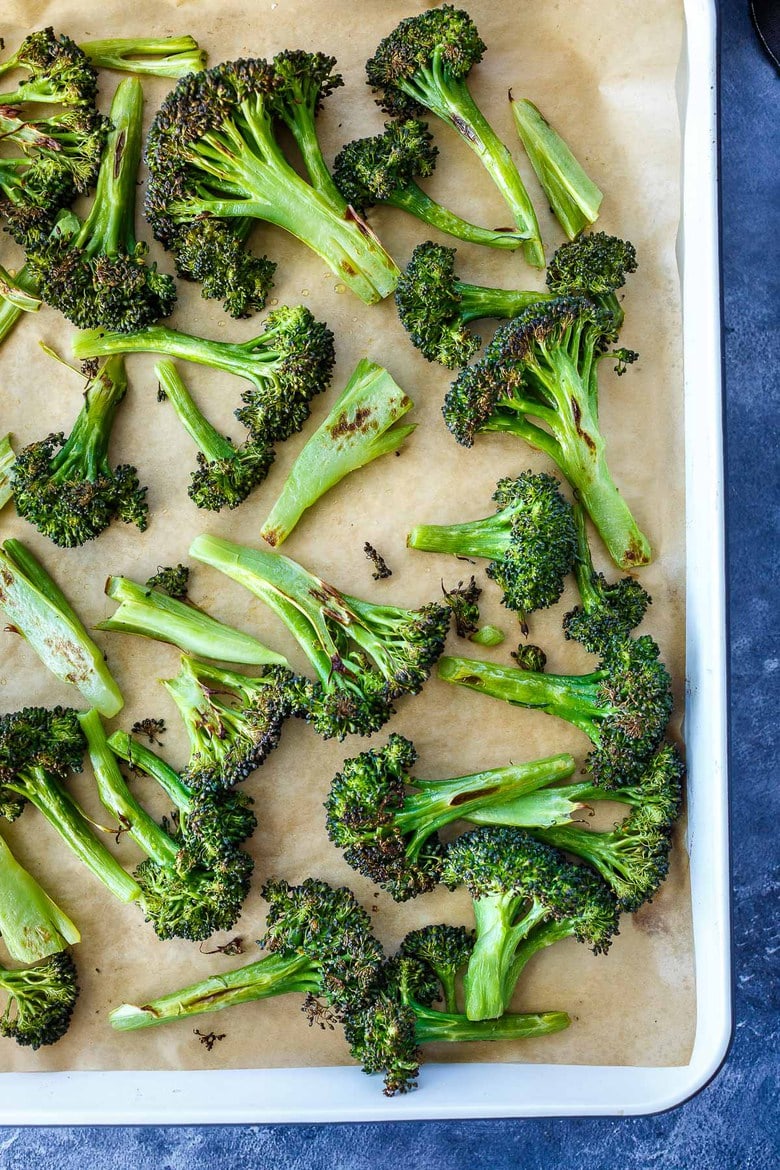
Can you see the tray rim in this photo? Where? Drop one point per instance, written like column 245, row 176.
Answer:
column 339, row 1094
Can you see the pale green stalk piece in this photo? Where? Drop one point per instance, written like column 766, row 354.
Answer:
column 360, row 428
column 18, row 293
column 7, row 460
column 32, row 925
column 574, row 198
column 487, row 636
column 37, row 609
column 153, row 56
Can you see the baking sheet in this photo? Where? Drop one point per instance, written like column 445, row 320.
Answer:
column 607, row 81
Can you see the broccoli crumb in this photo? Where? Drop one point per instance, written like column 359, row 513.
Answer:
column 172, row 580
column 209, row 1039
column 234, row 946
column 381, row 567
column 463, row 601
column 152, row 729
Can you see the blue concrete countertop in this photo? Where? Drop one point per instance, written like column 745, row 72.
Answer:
column 733, row 1123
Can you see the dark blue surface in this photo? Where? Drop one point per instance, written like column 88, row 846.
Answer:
column 733, row 1124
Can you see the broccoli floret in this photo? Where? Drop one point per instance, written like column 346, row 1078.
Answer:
column 233, row 721
column 384, row 169
column 436, row 307
column 225, row 474
column 66, row 487
column 387, row 821
column 171, row 579
column 39, row 611
column 595, row 266
column 623, row 706
column 463, row 600
column 539, row 380
column 32, row 925
column 152, row 614
column 321, row 945
column 96, row 272
column 526, row 896
column 529, row 657
column 381, row 568
column 212, row 253
column 365, row 656
column 40, row 1002
column 360, row 427
column 213, row 154
column 287, row 364
column 147, row 56
column 573, row 197
column 52, row 132
column 445, row 950
column 423, row 64
column 531, row 541
column 185, row 891
column 609, row 609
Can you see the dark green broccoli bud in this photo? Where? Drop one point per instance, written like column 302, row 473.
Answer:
column 530, row 657
column 381, row 568
column 464, row 603
column 387, row 821
column 623, row 706
column 573, row 197
column 436, row 307
column 32, row 925
column 609, row 609
column 364, row 656
column 320, row 942
column 213, row 153
column 423, row 64
column 233, row 721
column 526, row 896
column 362, row 425
column 40, row 1002
column 147, row 56
column 212, row 253
column 39, row 611
column 384, row 169
column 287, row 364
column 152, row 614
column 531, row 541
column 225, row 474
column 539, row 380
column 171, row 579
column 95, row 272
column 66, row 487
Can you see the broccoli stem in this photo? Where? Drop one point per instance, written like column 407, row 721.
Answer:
column 153, row 56
column 7, row 460
column 270, row 976
column 432, row 1026
column 109, row 228
column 478, row 302
column 451, row 99
column 139, row 755
column 18, row 293
column 205, row 437
column 152, row 614
column 413, row 199
column 10, row 312
column 488, row 538
column 300, row 120
column 603, row 850
column 116, row 797
column 32, row 925
column 85, row 451
column 36, row 607
column 489, row 980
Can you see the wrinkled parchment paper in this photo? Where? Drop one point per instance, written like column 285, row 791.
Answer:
column 604, row 74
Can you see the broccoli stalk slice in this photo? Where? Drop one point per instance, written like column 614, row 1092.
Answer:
column 32, row 925
column 147, row 56
column 431, row 1027
column 488, row 538
column 18, row 293
column 9, row 312
column 7, row 460
column 574, row 198
column 152, row 614
column 36, row 608
column 281, row 974
column 359, row 428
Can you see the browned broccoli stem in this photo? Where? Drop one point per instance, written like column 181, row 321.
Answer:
column 431, row 1026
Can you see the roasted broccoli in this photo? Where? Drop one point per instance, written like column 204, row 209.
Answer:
column 423, row 64
column 321, row 946
column 233, row 721
column 530, row 541
column 623, row 706
column 40, row 1002
column 20, row 291
column 7, row 460
column 225, row 474
column 526, row 896
column 436, row 307
column 172, row 580
column 287, row 364
column 384, row 169
column 213, row 155
column 387, row 820
column 38, row 610
column 152, row 56
column 364, row 655
column 32, row 925
column 153, row 614
column 96, row 272
column 595, row 266
column 360, row 427
column 539, row 380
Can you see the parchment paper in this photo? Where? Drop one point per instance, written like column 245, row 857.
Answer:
column 605, row 76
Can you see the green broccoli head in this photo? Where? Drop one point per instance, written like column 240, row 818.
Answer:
column 302, row 80
column 32, row 738
column 212, row 253
column 40, row 1000
column 58, row 71
column 171, row 579
column 191, row 901
column 430, row 305
column 594, row 265
column 370, row 170
column 226, row 483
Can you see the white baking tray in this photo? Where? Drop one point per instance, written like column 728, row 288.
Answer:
column 516, row 1090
